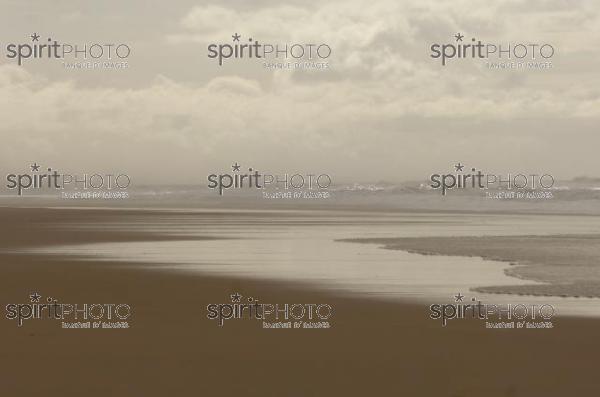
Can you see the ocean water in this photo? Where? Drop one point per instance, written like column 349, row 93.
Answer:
column 303, row 247
column 580, row 196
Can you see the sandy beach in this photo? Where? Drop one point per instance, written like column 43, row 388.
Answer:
column 299, row 198
column 374, row 347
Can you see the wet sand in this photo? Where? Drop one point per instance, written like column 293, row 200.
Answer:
column 569, row 265
column 373, row 347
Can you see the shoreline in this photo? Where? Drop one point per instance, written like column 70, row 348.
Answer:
column 270, row 206
column 565, row 264
column 373, row 346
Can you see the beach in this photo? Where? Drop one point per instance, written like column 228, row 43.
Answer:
column 564, row 265
column 374, row 346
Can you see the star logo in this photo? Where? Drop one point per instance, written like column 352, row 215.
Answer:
column 35, row 297
column 35, row 167
column 459, row 167
column 458, row 297
column 459, row 37
column 236, row 37
column 236, row 167
column 236, row 297
column 35, row 37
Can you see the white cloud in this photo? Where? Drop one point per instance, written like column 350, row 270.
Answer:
column 383, row 105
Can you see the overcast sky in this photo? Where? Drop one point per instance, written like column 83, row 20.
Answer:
column 384, row 110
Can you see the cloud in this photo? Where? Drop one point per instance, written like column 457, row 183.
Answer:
column 385, row 108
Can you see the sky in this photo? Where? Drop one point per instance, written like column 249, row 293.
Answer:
column 383, row 110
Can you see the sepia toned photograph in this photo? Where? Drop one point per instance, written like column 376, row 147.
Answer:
column 321, row 198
